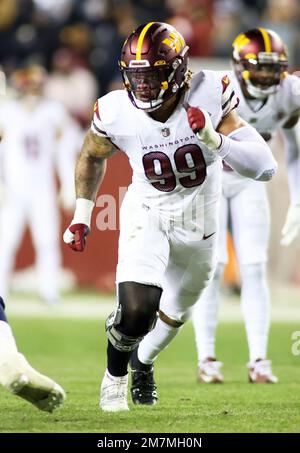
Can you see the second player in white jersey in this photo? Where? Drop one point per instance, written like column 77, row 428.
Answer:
column 269, row 100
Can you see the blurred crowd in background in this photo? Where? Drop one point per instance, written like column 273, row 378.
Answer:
column 79, row 41
column 77, row 44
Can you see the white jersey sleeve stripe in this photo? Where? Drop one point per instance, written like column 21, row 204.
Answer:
column 97, row 130
column 97, row 125
column 229, row 99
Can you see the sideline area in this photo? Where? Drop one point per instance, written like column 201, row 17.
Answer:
column 92, row 305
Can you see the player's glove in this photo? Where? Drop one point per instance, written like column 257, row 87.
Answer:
column 200, row 123
column 75, row 234
column 291, row 227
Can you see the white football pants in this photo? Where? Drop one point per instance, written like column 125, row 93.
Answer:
column 247, row 214
column 40, row 211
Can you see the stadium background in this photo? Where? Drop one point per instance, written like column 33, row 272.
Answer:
column 79, row 41
column 88, row 36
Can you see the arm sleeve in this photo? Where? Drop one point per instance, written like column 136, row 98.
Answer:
column 292, row 159
column 248, row 154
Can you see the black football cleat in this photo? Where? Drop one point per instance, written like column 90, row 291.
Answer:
column 143, row 388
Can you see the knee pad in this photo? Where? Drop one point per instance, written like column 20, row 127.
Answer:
column 118, row 339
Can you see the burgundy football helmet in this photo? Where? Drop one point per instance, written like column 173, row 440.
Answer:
column 153, row 64
column 260, row 61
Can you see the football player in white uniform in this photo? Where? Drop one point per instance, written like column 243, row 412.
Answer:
column 269, row 99
column 169, row 217
column 34, row 139
column 20, row 378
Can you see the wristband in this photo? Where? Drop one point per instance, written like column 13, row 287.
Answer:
column 83, row 211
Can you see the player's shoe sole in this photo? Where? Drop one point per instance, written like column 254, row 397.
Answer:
column 24, row 381
column 261, row 379
column 202, row 378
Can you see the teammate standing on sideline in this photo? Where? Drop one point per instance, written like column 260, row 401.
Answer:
column 269, row 100
column 35, row 138
column 175, row 132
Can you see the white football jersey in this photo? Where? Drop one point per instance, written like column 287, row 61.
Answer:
column 265, row 116
column 168, row 161
column 275, row 111
column 29, row 143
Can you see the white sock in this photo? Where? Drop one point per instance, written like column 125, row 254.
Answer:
column 114, row 378
column 205, row 315
column 7, row 341
column 256, row 308
column 155, row 341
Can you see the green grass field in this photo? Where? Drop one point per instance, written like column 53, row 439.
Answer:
column 73, row 352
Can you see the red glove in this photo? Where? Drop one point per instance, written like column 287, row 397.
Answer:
column 75, row 236
column 202, row 126
column 196, row 119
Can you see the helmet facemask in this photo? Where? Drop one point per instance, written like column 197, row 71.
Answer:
column 153, row 65
column 149, row 87
column 262, row 76
column 260, row 61
column 146, row 86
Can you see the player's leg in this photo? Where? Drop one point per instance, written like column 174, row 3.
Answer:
column 250, row 228
column 176, row 302
column 139, row 275
column 190, row 268
column 44, row 224
column 205, row 317
column 133, row 319
column 205, row 311
column 143, row 386
column 12, row 224
column 20, row 378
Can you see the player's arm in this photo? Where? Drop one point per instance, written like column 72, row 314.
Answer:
column 244, row 149
column 235, row 141
column 89, row 173
column 91, row 165
column 290, row 134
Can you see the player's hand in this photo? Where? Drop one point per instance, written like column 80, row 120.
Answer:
column 291, row 227
column 75, row 236
column 200, row 123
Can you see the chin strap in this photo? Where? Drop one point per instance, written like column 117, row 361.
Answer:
column 260, row 93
